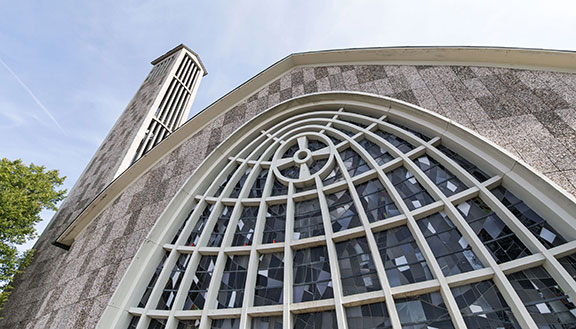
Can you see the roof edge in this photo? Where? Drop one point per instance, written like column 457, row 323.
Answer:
column 518, row 58
column 176, row 49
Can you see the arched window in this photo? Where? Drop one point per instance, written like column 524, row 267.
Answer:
column 355, row 211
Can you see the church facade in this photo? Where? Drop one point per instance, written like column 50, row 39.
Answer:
column 365, row 188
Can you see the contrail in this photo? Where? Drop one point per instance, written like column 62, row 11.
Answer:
column 31, row 94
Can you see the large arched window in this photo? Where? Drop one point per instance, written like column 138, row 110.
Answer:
column 354, row 211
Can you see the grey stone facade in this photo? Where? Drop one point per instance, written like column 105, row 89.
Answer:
column 532, row 114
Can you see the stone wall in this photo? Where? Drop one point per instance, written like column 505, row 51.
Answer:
column 530, row 113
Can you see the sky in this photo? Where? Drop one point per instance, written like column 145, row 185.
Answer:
column 69, row 68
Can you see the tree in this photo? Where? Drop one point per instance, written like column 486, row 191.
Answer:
column 24, row 192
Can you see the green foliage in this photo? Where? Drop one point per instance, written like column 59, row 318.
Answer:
column 24, row 192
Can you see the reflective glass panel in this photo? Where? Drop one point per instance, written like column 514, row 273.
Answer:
column 465, row 164
column 316, row 320
column 307, row 219
column 152, row 282
column 424, row 311
column 275, row 227
column 270, row 280
column 376, row 201
column 171, row 288
column 312, row 277
column 440, row 176
column 357, row 269
column 197, row 292
column 414, row 195
column 343, row 213
column 245, row 228
column 231, row 293
column 371, row 316
column 220, row 227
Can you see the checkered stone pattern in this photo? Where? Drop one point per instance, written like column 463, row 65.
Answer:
column 532, row 114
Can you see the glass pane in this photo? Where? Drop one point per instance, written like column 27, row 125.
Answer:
column 220, row 228
column 275, row 227
column 312, row 277
column 451, row 249
column 424, row 311
column 188, row 324
column 398, row 142
column 199, row 226
column 157, row 324
column 317, row 320
column 152, row 282
column 440, row 176
column 545, row 300
column 334, row 176
column 495, row 235
column 308, row 219
column 171, row 288
column 278, row 188
column 182, row 226
column 134, row 322
column 409, row 189
column 353, row 162
column 569, row 263
column 343, row 213
column 371, row 316
column 357, row 269
column 245, row 227
column 231, row 292
column 225, row 181
column 200, row 283
column 274, row 322
column 414, row 132
column 225, row 324
column 465, row 164
column 270, row 280
column 376, row 201
column 258, row 186
column 240, row 184
column 379, row 153
column 403, row 260
column 536, row 224
column 482, row 306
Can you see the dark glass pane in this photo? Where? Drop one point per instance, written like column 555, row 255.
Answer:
column 569, row 263
column 414, row 132
column 315, row 145
column 157, row 324
column 414, row 195
column 312, row 278
column 291, row 172
column 465, row 164
column 182, row 226
column 357, row 269
column 343, row 213
column 376, row 201
column 318, row 320
column 152, row 282
column 495, row 235
column 258, row 187
column 231, row 292
column 308, row 219
column 270, row 280
column 546, row 302
column 371, row 316
column 353, row 162
column 197, row 230
column 379, row 153
column 536, row 224
column 278, row 188
column 245, row 227
column 225, row 324
column 334, row 176
column 424, row 311
column 451, row 249
column 240, row 184
column 398, row 142
column 440, row 176
column 134, row 322
column 291, row 151
column 315, row 166
column 359, row 124
column 188, row 324
column 335, row 140
column 197, row 292
column 274, row 322
column 275, row 227
column 171, row 288
column 403, row 260
column 225, row 181
column 345, row 131
column 482, row 306
column 220, row 227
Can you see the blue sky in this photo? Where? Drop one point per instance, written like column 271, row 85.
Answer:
column 69, row 68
